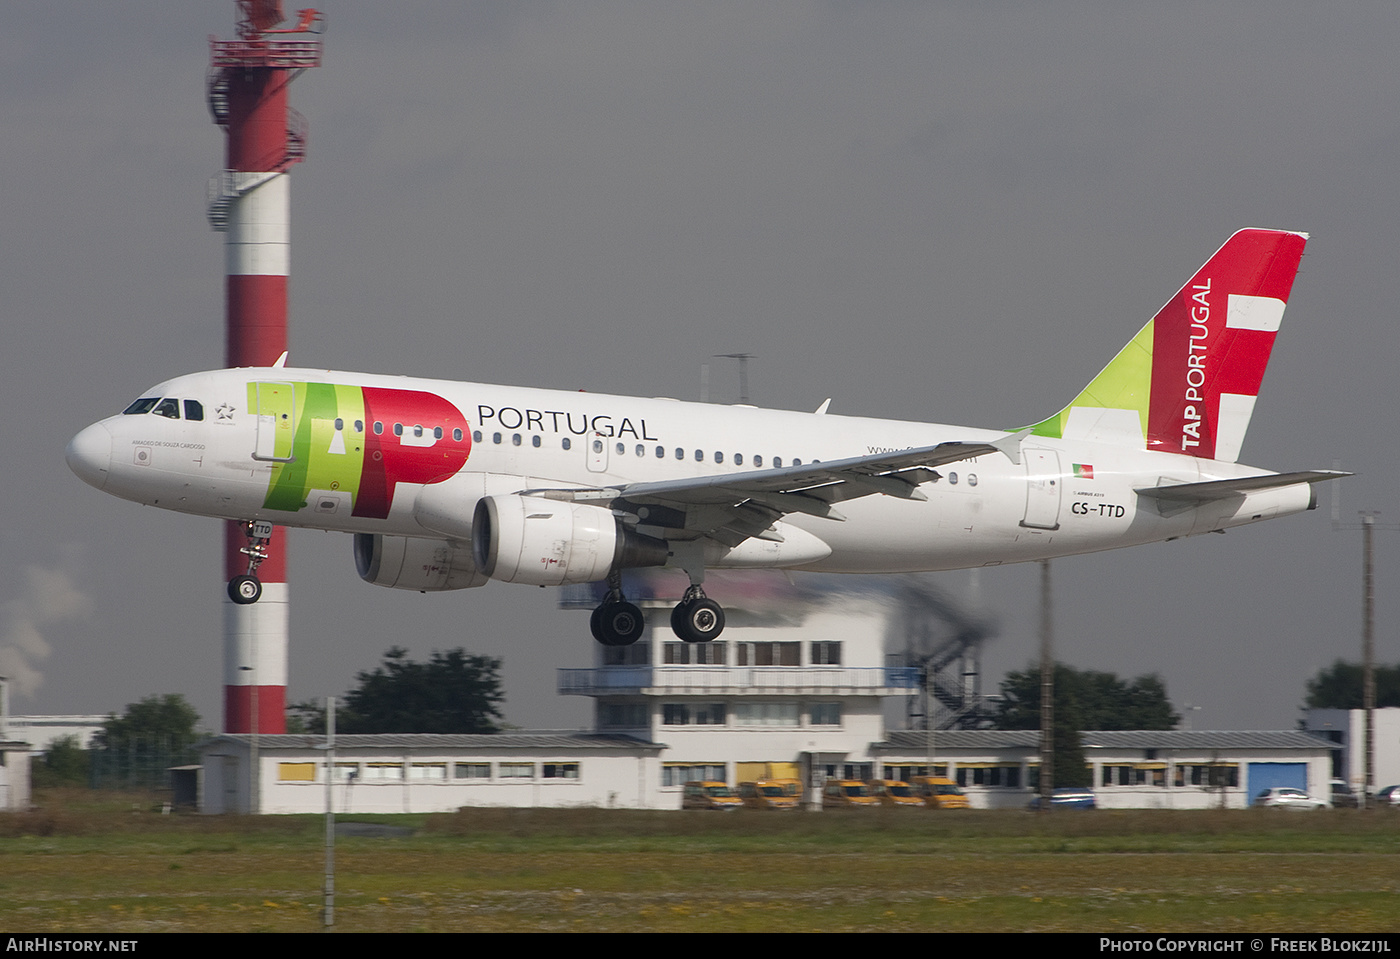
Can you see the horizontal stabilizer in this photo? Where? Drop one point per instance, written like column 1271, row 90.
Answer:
column 1223, row 489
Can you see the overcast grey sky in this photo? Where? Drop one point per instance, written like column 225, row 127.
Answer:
column 939, row 211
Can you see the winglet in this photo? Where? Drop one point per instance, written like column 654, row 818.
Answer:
column 1011, row 444
column 281, row 361
column 826, row 404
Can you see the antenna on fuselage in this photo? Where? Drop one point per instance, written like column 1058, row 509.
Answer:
column 743, row 359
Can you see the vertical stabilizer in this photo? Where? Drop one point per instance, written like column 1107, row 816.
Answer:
column 1188, row 381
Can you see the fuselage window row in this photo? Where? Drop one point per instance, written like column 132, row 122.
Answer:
column 169, row 407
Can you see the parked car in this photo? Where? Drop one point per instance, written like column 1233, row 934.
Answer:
column 1288, row 797
column 935, row 792
column 1068, row 797
column 847, row 794
column 705, row 794
column 771, row 794
column 1389, row 796
column 894, row 792
column 1342, row 796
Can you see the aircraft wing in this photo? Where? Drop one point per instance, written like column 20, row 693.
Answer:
column 732, row 507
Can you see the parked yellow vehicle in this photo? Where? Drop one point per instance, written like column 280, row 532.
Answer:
column 706, row 794
column 771, row 794
column 935, row 792
column 895, row 792
column 847, row 794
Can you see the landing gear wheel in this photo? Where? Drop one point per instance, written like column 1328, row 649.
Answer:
column 617, row 624
column 698, row 620
column 247, row 589
column 244, row 590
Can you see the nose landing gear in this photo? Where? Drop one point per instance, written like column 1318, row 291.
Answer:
column 247, row 589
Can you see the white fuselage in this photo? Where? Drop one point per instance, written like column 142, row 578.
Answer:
column 326, row 470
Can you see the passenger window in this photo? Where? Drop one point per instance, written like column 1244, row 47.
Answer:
column 476, row 436
column 621, row 449
column 699, row 456
column 738, row 459
column 457, row 435
column 142, row 406
column 719, row 457
column 680, row 453
column 339, row 424
column 597, row 446
column 378, row 427
column 437, row 432
column 777, row 462
column 417, row 431
column 535, row 441
column 796, row 462
column 758, row 461
column 359, row 426
column 568, row 443
column 641, row 450
column 515, row 439
column 661, row 452
column 398, row 429
column 496, row 438
column 194, row 410
column 169, row 408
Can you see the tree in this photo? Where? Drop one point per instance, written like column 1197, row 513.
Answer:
column 1084, row 699
column 137, row 748
column 168, row 721
column 453, row 692
column 1101, row 700
column 64, row 763
column 1339, row 687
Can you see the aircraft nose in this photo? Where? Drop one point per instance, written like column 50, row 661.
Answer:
column 89, row 455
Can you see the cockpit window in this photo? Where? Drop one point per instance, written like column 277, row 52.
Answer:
column 143, row 405
column 168, row 407
column 194, row 410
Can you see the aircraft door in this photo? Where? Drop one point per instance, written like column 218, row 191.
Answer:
column 1043, row 485
column 597, row 453
column 276, row 414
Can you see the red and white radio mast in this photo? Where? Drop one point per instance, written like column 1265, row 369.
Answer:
column 248, row 203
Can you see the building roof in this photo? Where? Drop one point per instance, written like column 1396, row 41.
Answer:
column 914, row 740
column 530, row 739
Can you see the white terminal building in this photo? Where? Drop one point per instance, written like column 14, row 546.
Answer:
column 807, row 682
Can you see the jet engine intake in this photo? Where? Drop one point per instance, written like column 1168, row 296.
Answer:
column 543, row 542
column 407, row 562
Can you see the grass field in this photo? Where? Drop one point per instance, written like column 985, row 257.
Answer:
column 86, row 862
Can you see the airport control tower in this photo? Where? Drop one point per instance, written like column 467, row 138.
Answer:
column 248, row 202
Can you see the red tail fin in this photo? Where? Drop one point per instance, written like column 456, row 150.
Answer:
column 1211, row 344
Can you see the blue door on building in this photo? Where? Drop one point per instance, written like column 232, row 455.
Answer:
column 1264, row 776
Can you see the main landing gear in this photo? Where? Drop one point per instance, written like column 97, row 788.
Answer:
column 696, row 619
column 616, row 622
column 247, row 589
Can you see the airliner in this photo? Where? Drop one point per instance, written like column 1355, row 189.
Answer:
column 448, row 485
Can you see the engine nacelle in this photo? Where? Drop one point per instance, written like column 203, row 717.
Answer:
column 545, row 542
column 407, row 562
